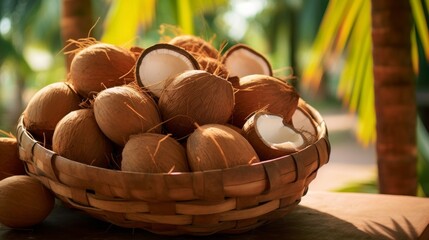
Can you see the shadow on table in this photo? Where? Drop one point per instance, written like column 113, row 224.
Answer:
column 301, row 223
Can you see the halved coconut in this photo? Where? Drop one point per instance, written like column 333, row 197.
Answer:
column 161, row 62
column 215, row 146
column 271, row 137
column 261, row 92
column 123, row 111
column 241, row 60
column 195, row 45
column 154, row 153
column 195, row 96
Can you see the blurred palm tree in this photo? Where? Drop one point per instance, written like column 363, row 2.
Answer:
column 345, row 34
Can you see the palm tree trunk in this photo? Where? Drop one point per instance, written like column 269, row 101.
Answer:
column 395, row 97
column 76, row 22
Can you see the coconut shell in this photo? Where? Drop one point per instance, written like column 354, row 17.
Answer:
column 78, row 138
column 154, row 153
column 123, row 110
column 10, row 164
column 24, row 201
column 264, row 150
column 261, row 92
column 47, row 107
column 215, row 146
column 195, row 45
column 101, row 66
column 304, row 123
column 195, row 96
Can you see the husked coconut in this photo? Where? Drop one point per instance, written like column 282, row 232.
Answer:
column 123, row 111
column 241, row 60
column 47, row 107
column 100, row 66
column 215, row 146
column 261, row 92
column 195, row 96
column 153, row 153
column 195, row 45
column 24, row 201
column 78, row 138
column 10, row 164
column 161, row 62
column 271, row 137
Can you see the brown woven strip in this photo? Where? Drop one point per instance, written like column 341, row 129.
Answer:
column 162, row 208
column 273, row 173
column 208, row 185
column 247, row 202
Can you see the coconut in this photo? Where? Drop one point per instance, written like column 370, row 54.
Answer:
column 241, row 60
column 101, row 66
column 215, row 146
column 195, row 45
column 137, row 51
column 123, row 110
column 46, row 108
column 161, row 62
column 261, row 92
column 10, row 164
column 24, row 201
column 195, row 96
column 78, row 138
column 271, row 137
column 154, row 153
column 213, row 66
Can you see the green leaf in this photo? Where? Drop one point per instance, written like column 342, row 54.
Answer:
column 185, row 16
column 421, row 24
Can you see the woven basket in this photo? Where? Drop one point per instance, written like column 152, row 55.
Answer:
column 230, row 200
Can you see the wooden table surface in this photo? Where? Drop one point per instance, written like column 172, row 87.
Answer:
column 320, row 215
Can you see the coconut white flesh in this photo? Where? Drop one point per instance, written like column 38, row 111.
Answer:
column 275, row 134
column 243, row 62
column 160, row 65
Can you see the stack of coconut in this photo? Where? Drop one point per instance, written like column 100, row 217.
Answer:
column 173, row 107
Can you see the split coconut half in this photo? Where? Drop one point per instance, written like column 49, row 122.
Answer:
column 161, row 62
column 241, row 60
column 271, row 137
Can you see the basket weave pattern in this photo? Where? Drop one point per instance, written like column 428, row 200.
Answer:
column 229, row 200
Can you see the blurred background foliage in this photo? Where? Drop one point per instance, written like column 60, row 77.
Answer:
column 326, row 44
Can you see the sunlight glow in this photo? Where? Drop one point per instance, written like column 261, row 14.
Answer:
column 5, row 25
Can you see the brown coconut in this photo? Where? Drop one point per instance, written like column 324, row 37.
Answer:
column 10, row 164
column 261, row 92
column 24, row 201
column 213, row 66
column 123, row 111
column 215, row 146
column 271, row 137
column 47, row 107
column 195, row 45
column 195, row 96
column 241, row 60
column 101, row 66
column 78, row 138
column 154, row 153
